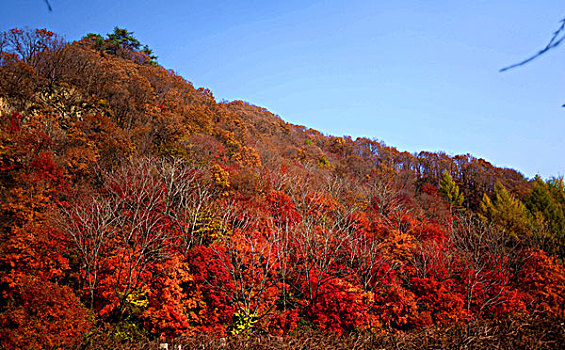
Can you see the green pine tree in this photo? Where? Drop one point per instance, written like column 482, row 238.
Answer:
column 548, row 200
column 506, row 211
column 450, row 191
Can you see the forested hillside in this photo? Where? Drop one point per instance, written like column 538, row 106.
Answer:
column 134, row 206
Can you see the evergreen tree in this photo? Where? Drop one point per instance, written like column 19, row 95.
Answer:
column 122, row 43
column 548, row 200
column 506, row 211
column 124, row 39
column 450, row 192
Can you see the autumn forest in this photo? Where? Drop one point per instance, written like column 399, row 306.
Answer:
column 135, row 207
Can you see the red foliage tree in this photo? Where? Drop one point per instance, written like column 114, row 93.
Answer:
column 543, row 279
column 438, row 302
column 207, row 266
column 41, row 314
column 339, row 307
column 175, row 305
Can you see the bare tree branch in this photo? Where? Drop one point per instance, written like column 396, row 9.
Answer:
column 557, row 38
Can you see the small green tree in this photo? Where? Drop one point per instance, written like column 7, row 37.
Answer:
column 124, row 38
column 450, row 191
column 548, row 201
column 121, row 42
column 506, row 211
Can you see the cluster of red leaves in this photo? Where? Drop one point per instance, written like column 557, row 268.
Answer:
column 438, row 302
column 175, row 305
column 339, row 307
column 206, row 264
column 42, row 314
column 543, row 280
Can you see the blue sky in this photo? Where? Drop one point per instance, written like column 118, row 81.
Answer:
column 418, row 75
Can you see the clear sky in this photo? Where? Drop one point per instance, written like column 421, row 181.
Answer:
column 418, row 75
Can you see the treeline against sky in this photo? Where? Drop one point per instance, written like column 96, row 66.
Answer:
column 135, row 206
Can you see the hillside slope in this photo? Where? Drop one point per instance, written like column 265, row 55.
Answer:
column 134, row 205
